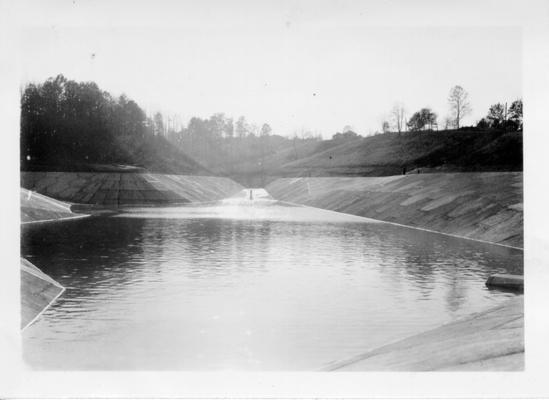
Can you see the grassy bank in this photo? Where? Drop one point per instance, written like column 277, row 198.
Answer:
column 464, row 150
column 388, row 154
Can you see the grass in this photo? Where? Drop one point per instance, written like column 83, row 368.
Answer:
column 387, row 154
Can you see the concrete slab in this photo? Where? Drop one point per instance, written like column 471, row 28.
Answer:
column 106, row 188
column 38, row 292
column 492, row 340
column 482, row 206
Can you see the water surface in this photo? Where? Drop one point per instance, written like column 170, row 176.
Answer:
column 240, row 284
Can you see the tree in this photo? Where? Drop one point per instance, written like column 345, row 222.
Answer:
column 483, row 123
column 429, row 117
column 385, row 127
column 448, row 123
column 265, row 130
column 515, row 113
column 422, row 119
column 415, row 123
column 347, row 128
column 253, row 130
column 397, row 116
column 69, row 123
column 496, row 115
column 241, row 128
column 264, row 140
column 345, row 136
column 158, row 124
column 216, row 125
column 459, row 104
column 229, row 128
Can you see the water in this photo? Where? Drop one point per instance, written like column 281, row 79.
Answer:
column 246, row 285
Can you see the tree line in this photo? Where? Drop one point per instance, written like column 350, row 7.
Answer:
column 221, row 142
column 498, row 116
column 64, row 122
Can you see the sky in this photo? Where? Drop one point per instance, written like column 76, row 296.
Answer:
column 315, row 66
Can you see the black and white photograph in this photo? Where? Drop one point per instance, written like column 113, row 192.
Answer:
column 238, row 187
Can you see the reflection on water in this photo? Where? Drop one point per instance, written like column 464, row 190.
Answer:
column 246, row 285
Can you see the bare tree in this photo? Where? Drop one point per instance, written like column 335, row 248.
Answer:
column 448, row 122
column 459, row 104
column 241, row 128
column 397, row 116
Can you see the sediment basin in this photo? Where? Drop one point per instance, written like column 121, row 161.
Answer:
column 248, row 283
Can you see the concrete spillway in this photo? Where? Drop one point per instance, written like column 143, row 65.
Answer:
column 482, row 206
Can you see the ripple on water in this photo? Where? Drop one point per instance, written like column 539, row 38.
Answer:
column 246, row 286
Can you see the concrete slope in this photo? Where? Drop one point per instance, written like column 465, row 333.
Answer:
column 484, row 206
column 114, row 189
column 38, row 292
column 492, row 340
column 37, row 208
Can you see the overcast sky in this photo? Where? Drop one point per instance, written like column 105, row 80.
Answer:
column 295, row 65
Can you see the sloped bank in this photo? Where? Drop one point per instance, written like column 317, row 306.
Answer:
column 38, row 292
column 39, row 208
column 116, row 189
column 492, row 340
column 484, row 206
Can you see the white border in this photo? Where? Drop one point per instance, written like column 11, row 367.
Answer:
column 17, row 381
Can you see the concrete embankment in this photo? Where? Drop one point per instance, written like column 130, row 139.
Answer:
column 38, row 208
column 483, row 206
column 114, row 189
column 38, row 292
column 492, row 340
